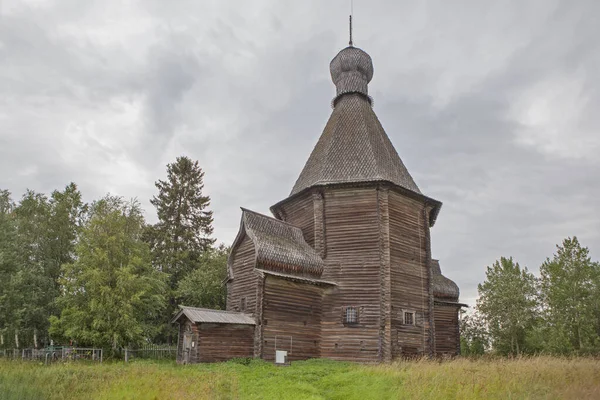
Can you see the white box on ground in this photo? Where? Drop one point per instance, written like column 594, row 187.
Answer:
column 280, row 357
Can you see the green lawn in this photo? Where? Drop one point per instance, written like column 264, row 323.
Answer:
column 532, row 378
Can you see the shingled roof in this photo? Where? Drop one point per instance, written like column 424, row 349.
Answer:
column 280, row 246
column 443, row 288
column 354, row 148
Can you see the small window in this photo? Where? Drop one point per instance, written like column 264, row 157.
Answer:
column 351, row 316
column 409, row 317
column 243, row 304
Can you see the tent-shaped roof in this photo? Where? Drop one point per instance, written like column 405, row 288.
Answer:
column 354, row 148
column 279, row 245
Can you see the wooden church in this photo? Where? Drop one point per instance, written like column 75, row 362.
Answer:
column 343, row 269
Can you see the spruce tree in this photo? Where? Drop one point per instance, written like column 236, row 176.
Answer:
column 184, row 228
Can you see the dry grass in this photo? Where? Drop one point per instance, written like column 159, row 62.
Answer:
column 526, row 378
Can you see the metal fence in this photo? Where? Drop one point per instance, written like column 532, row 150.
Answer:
column 54, row 354
column 57, row 353
column 151, row 352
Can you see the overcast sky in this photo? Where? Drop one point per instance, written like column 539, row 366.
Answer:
column 493, row 106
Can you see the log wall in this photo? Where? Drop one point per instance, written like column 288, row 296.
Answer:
column 300, row 213
column 221, row 342
column 447, row 338
column 215, row 342
column 245, row 280
column 410, row 275
column 352, row 241
column 292, row 315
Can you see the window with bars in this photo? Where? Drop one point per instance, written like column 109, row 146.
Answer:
column 409, row 318
column 243, row 304
column 351, row 315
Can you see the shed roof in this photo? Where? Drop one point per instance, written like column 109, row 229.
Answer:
column 206, row 315
column 280, row 246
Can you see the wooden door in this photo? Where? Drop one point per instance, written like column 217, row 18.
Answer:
column 187, row 343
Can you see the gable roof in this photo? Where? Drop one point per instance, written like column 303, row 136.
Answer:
column 206, row 315
column 279, row 246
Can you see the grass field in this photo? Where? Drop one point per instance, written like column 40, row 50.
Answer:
column 528, row 378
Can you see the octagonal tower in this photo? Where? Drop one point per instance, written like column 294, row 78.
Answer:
column 360, row 209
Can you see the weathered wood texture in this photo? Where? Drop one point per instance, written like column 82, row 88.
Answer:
column 292, row 317
column 221, row 342
column 188, row 332
column 258, row 331
column 352, row 239
column 244, row 280
column 300, row 213
column 447, row 339
column 410, row 275
column 319, row 225
column 205, row 342
column 385, row 322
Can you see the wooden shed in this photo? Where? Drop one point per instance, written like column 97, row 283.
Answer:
column 212, row 335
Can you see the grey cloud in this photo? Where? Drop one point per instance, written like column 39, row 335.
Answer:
column 105, row 94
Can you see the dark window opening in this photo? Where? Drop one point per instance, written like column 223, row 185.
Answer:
column 243, row 304
column 351, row 316
column 409, row 318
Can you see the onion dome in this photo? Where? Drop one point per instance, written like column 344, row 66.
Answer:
column 443, row 288
column 351, row 71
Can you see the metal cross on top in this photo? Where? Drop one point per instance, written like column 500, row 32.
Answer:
column 351, row 12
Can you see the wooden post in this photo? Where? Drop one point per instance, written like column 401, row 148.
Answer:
column 385, row 311
column 431, row 331
column 258, row 328
column 319, row 218
column 126, row 355
column 177, row 358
